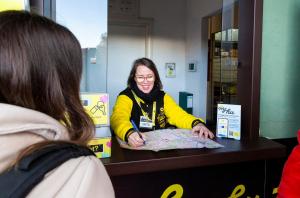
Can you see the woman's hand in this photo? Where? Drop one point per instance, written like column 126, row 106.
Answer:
column 202, row 131
column 135, row 140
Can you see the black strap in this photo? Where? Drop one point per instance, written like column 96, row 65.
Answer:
column 20, row 180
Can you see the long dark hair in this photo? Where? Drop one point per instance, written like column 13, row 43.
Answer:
column 40, row 69
column 149, row 64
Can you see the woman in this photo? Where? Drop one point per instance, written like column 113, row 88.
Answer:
column 40, row 71
column 143, row 106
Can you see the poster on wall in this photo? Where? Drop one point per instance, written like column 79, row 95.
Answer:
column 14, row 5
column 96, row 105
column 170, row 70
column 229, row 121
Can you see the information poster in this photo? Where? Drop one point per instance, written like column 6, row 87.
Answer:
column 14, row 5
column 229, row 121
column 96, row 105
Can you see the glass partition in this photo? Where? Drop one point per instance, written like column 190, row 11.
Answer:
column 88, row 21
column 223, row 58
column 229, row 53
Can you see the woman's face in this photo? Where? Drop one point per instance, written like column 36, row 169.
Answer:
column 144, row 78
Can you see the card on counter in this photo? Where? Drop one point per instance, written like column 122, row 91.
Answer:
column 229, row 121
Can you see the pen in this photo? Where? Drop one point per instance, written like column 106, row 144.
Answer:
column 137, row 130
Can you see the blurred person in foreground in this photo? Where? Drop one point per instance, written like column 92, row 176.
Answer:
column 40, row 72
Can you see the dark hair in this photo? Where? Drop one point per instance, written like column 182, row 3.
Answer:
column 149, row 64
column 40, row 69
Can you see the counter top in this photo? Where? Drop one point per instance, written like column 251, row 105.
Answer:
column 124, row 162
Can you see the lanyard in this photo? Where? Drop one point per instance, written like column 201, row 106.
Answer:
column 138, row 100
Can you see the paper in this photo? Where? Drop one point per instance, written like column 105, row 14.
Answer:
column 96, row 105
column 13, row 5
column 229, row 121
column 166, row 139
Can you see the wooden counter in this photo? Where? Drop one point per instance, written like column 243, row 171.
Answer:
column 126, row 162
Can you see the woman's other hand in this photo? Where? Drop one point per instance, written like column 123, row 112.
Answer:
column 202, row 131
column 135, row 140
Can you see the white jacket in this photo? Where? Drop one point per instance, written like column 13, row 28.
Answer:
column 81, row 177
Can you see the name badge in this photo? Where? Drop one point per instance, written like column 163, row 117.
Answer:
column 145, row 122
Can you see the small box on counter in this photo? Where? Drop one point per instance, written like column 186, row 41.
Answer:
column 101, row 143
column 229, row 121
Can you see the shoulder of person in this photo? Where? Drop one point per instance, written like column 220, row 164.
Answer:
column 162, row 93
column 78, row 177
column 125, row 96
column 126, row 92
column 168, row 96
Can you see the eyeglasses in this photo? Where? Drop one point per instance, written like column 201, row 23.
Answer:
column 149, row 78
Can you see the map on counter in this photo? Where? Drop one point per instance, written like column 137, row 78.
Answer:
column 166, row 139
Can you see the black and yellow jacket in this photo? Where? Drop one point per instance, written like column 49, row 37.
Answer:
column 168, row 113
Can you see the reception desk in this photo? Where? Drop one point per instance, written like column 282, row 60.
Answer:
column 239, row 167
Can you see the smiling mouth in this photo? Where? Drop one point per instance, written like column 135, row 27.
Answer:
column 146, row 87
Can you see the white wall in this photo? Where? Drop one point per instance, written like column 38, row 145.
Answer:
column 168, row 44
column 125, row 44
column 196, row 51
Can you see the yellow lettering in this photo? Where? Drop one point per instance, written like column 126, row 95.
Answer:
column 238, row 191
column 275, row 191
column 94, row 148
column 177, row 188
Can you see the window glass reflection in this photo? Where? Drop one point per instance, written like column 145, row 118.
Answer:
column 88, row 21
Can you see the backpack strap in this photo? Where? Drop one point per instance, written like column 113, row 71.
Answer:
column 21, row 179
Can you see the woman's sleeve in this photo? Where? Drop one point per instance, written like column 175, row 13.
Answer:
column 177, row 116
column 120, row 118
